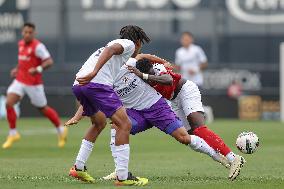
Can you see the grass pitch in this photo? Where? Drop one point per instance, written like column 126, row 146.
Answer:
column 36, row 162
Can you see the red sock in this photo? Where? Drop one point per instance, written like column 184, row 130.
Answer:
column 11, row 117
column 52, row 115
column 212, row 140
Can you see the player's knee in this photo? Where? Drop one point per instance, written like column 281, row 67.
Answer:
column 10, row 103
column 42, row 109
column 184, row 139
column 124, row 126
column 196, row 119
column 100, row 125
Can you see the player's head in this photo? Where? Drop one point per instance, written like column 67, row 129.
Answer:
column 145, row 66
column 135, row 34
column 28, row 32
column 186, row 39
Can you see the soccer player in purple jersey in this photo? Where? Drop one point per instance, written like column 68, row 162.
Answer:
column 93, row 88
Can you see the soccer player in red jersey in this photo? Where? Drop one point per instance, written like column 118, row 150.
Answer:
column 33, row 58
column 186, row 102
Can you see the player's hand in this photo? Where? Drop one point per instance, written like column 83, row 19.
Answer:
column 86, row 79
column 13, row 72
column 135, row 71
column 169, row 65
column 191, row 72
column 33, row 71
column 72, row 121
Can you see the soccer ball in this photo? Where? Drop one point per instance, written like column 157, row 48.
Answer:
column 247, row 142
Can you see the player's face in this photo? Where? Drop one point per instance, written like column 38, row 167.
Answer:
column 186, row 40
column 28, row 34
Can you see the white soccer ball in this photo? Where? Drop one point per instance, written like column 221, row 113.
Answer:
column 247, row 142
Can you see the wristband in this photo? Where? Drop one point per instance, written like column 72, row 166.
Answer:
column 145, row 76
column 39, row 69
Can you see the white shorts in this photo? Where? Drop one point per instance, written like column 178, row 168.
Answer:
column 187, row 101
column 34, row 92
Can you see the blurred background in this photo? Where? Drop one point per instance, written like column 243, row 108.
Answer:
column 241, row 39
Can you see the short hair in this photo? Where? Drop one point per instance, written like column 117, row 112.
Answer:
column 187, row 33
column 144, row 65
column 30, row 25
column 134, row 33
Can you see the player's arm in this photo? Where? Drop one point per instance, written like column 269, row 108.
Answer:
column 154, row 59
column 203, row 65
column 42, row 53
column 202, row 59
column 76, row 118
column 107, row 53
column 14, row 71
column 163, row 79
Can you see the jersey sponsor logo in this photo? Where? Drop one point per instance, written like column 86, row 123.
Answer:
column 126, row 90
column 24, row 58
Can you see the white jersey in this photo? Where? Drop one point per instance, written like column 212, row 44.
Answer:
column 108, row 72
column 191, row 58
column 133, row 91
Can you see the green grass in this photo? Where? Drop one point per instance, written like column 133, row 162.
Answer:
column 36, row 162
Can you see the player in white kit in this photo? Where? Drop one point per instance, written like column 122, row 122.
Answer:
column 93, row 88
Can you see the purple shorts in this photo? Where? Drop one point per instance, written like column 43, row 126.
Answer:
column 96, row 97
column 159, row 115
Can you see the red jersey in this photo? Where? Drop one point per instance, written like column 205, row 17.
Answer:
column 167, row 91
column 30, row 55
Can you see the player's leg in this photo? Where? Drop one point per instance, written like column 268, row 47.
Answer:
column 105, row 99
column 138, row 124
column 14, row 94
column 79, row 169
column 194, row 142
column 190, row 101
column 38, row 99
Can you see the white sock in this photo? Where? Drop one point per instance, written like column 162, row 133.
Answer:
column 199, row 145
column 84, row 153
column 122, row 153
column 60, row 129
column 231, row 157
column 13, row 132
column 112, row 145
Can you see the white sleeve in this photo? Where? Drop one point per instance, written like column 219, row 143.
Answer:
column 177, row 58
column 127, row 45
column 159, row 69
column 41, row 52
column 201, row 56
column 131, row 62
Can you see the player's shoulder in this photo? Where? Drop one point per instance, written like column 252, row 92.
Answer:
column 196, row 47
column 131, row 62
column 180, row 50
column 21, row 42
column 121, row 41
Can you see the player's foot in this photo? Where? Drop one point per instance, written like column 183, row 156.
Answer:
column 111, row 176
column 132, row 181
column 62, row 138
column 236, row 167
column 10, row 140
column 81, row 174
column 224, row 161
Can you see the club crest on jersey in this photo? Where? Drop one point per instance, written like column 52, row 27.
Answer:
column 125, row 79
